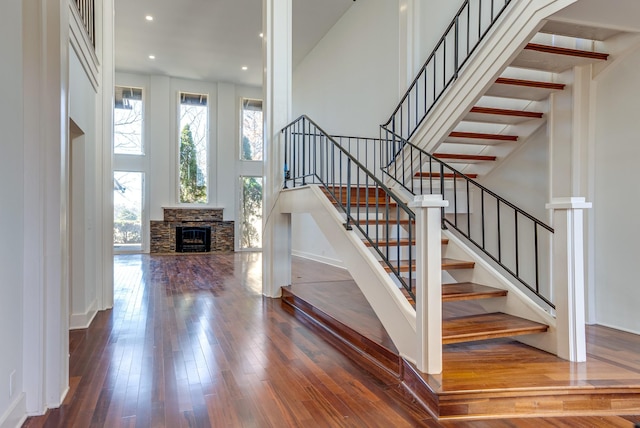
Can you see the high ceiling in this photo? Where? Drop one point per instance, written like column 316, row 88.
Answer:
column 210, row 40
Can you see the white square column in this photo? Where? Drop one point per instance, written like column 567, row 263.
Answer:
column 568, row 276
column 429, row 281
column 277, row 77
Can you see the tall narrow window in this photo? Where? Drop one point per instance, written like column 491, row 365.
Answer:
column 127, row 121
column 127, row 210
column 194, row 153
column 251, row 144
column 251, row 212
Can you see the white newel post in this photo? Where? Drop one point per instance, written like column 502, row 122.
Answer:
column 429, row 281
column 568, row 276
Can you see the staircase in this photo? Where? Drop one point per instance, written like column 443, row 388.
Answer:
column 479, row 303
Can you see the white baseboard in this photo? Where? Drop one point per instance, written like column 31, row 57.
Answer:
column 82, row 321
column 16, row 414
column 615, row 327
column 321, row 259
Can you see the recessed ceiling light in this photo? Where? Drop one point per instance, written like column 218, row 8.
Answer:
column 261, row 35
column 245, row 68
column 149, row 18
column 152, row 57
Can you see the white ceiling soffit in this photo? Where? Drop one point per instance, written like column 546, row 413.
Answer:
column 210, row 40
column 620, row 15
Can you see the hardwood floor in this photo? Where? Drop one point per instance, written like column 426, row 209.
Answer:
column 192, row 343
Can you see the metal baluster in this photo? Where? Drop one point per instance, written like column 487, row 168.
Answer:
column 499, row 237
column 455, row 201
column 482, row 217
column 468, row 212
column 348, row 224
column 515, row 219
column 535, row 242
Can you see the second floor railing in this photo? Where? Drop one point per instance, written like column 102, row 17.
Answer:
column 86, row 9
column 385, row 222
column 468, row 28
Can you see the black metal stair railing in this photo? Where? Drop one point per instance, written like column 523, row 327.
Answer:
column 86, row 9
column 384, row 221
column 468, row 28
column 511, row 237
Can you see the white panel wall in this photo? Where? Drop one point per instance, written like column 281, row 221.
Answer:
column 348, row 82
column 12, row 206
column 617, row 202
column 84, row 151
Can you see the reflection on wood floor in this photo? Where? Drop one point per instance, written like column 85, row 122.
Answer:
column 191, row 342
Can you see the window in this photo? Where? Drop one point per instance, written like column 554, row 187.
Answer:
column 127, row 121
column 127, row 210
column 194, row 152
column 251, row 212
column 251, row 144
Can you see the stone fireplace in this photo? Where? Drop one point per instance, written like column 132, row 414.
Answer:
column 192, row 230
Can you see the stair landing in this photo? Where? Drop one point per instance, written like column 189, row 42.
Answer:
column 489, row 379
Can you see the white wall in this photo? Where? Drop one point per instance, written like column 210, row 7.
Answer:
column 160, row 162
column 616, row 201
column 84, row 152
column 12, row 208
column 524, row 176
column 432, row 19
column 348, row 83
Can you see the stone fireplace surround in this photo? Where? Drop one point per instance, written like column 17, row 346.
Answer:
column 163, row 232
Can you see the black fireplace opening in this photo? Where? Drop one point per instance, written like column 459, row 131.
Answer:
column 193, row 239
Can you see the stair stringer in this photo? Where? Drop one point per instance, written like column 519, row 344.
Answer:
column 516, row 302
column 516, row 27
column 392, row 308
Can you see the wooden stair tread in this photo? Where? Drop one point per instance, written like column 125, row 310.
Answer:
column 450, row 264
column 506, row 112
column 469, row 291
column 464, row 158
column 557, row 50
column 530, row 83
column 500, row 115
column 475, row 137
column 356, row 190
column 487, row 326
column 371, row 202
column 360, row 196
column 523, row 89
column 397, row 242
column 461, row 291
column 554, row 59
column 447, row 264
column 447, row 175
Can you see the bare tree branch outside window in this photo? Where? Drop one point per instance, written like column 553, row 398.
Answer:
column 127, row 122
